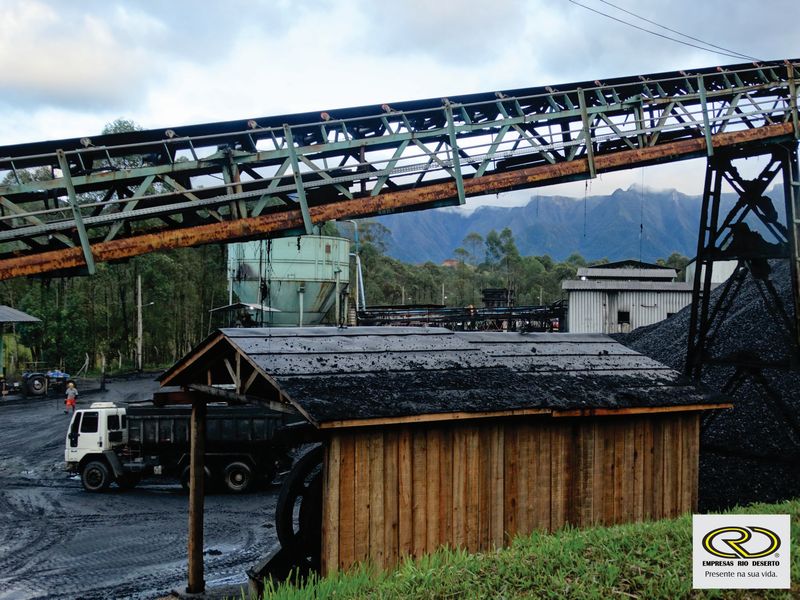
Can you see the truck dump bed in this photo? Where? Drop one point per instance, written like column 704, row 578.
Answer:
column 157, row 426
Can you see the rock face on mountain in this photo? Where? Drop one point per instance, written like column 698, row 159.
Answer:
column 598, row 227
column 751, row 453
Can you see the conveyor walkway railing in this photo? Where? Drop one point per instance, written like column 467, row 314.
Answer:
column 66, row 204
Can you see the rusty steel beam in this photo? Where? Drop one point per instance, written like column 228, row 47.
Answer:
column 384, row 203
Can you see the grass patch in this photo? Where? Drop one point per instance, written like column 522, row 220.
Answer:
column 641, row 560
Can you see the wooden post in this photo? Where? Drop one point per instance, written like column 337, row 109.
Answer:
column 139, row 323
column 196, row 497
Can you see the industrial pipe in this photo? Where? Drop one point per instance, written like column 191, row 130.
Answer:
column 300, row 292
column 359, row 274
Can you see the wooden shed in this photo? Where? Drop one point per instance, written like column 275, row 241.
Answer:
column 467, row 439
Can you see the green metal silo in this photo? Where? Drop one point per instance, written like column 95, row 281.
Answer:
column 295, row 280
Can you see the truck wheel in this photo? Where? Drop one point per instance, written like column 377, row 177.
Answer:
column 36, row 385
column 298, row 511
column 238, row 477
column 95, row 477
column 185, row 479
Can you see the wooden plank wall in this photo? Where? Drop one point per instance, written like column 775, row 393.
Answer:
column 407, row 490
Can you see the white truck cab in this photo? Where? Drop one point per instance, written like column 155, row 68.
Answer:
column 92, row 435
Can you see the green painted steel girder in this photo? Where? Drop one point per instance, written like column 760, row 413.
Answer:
column 367, row 151
column 76, row 212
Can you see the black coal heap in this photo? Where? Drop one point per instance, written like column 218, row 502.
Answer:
column 750, row 453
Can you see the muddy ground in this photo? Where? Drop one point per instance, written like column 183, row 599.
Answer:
column 58, row 541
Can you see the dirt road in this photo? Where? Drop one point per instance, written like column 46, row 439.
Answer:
column 58, row 541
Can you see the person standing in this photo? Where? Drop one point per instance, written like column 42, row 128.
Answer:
column 72, row 393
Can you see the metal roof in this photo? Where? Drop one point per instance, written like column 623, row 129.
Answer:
column 628, row 263
column 603, row 285
column 627, row 273
column 12, row 315
column 246, row 305
column 335, row 375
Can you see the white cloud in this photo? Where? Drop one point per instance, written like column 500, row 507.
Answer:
column 72, row 60
column 70, row 68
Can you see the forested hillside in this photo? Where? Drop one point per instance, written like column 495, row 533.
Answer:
column 493, row 261
column 97, row 315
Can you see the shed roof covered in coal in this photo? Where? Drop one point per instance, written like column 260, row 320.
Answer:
column 341, row 376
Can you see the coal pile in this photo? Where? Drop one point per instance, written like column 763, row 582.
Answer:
column 751, row 453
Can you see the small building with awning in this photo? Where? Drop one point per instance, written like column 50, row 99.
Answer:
column 10, row 316
column 431, row 437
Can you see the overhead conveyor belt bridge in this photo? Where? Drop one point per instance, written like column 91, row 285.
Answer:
column 110, row 197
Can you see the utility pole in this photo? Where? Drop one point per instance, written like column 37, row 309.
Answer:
column 139, row 323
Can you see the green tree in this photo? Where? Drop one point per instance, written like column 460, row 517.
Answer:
column 676, row 261
column 473, row 243
column 494, row 248
column 576, row 260
column 461, row 255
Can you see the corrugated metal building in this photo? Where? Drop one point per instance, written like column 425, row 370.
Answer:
column 721, row 271
column 619, row 297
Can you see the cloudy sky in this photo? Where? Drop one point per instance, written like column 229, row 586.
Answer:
column 68, row 68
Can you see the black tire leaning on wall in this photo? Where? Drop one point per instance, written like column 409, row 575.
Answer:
column 303, row 485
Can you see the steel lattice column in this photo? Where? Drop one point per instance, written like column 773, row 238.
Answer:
column 725, row 235
column 792, row 190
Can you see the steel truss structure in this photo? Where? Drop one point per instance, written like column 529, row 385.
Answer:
column 726, row 235
column 511, row 318
column 66, row 204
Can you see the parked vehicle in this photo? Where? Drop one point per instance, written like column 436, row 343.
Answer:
column 108, row 444
column 39, row 383
column 57, row 381
column 33, row 383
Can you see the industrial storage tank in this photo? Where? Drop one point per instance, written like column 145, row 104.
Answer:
column 291, row 281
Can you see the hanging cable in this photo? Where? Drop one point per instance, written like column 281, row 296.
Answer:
column 262, row 289
column 737, row 55
column 585, row 194
column 646, row 20
column 641, row 215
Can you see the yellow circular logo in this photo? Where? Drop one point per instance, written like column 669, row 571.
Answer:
column 739, row 545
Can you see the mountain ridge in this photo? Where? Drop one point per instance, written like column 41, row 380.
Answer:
column 597, row 227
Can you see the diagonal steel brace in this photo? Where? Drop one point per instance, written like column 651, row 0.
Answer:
column 76, row 211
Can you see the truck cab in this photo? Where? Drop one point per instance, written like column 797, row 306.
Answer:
column 93, row 434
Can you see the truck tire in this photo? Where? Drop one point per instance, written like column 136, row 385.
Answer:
column 95, row 476
column 300, row 503
column 238, row 477
column 185, row 479
column 36, row 385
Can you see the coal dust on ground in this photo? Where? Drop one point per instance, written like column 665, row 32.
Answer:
column 58, row 541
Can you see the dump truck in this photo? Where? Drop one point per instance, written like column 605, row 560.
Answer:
column 108, row 444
